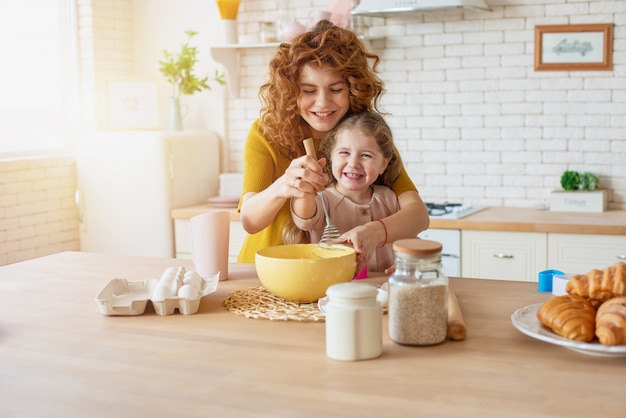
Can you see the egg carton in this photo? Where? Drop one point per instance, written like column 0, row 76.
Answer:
column 121, row 297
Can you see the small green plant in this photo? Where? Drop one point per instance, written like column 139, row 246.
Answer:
column 178, row 70
column 589, row 181
column 572, row 180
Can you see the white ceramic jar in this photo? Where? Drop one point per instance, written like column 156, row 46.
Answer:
column 354, row 322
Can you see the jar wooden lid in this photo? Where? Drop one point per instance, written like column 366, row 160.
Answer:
column 417, row 246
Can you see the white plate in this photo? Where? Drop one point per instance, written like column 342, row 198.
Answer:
column 224, row 201
column 525, row 320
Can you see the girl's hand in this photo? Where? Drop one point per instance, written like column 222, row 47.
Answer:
column 364, row 238
column 389, row 271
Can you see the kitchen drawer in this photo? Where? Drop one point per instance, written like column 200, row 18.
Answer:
column 182, row 237
column 503, row 255
column 579, row 253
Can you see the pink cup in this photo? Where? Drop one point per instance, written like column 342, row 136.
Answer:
column 210, row 234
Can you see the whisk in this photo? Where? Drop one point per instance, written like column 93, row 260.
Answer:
column 331, row 233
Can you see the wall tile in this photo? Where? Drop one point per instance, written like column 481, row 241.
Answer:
column 523, row 110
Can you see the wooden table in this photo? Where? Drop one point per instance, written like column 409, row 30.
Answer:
column 59, row 357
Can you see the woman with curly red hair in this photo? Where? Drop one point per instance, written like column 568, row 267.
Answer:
column 315, row 81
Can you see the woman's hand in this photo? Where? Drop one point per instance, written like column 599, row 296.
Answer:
column 303, row 178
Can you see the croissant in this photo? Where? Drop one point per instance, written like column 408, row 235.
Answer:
column 569, row 316
column 599, row 285
column 611, row 322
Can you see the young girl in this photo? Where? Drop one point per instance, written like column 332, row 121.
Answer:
column 364, row 165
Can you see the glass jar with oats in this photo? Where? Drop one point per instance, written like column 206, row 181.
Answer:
column 418, row 294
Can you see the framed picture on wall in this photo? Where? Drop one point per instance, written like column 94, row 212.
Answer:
column 132, row 104
column 587, row 47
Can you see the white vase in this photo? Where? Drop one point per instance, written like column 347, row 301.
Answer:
column 175, row 117
column 231, row 35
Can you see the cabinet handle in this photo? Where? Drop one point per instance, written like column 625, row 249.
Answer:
column 449, row 255
column 622, row 257
column 500, row 255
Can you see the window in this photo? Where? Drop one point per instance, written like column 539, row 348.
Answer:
column 38, row 82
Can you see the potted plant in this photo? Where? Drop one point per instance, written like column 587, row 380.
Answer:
column 178, row 70
column 580, row 193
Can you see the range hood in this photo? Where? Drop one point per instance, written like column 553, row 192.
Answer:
column 388, row 7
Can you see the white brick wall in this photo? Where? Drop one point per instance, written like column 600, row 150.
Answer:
column 473, row 120
column 106, row 51
column 37, row 212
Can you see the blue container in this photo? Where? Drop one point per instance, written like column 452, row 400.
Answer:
column 545, row 280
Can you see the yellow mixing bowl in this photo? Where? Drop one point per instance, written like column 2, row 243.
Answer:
column 302, row 272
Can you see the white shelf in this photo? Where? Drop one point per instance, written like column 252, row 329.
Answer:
column 247, row 46
column 228, row 56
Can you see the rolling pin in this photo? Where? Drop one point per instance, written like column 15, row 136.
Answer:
column 456, row 324
column 309, row 146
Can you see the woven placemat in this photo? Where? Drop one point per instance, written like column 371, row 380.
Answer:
column 258, row 302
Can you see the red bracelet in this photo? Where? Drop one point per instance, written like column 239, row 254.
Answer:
column 386, row 235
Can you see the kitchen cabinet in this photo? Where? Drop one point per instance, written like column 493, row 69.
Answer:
column 572, row 242
column 579, row 253
column 182, row 233
column 503, row 255
column 522, row 255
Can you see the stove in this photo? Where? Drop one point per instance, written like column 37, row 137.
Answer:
column 448, row 210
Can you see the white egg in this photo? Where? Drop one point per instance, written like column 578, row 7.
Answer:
column 191, row 274
column 167, row 281
column 194, row 280
column 170, row 271
column 162, row 292
column 188, row 291
column 176, row 284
